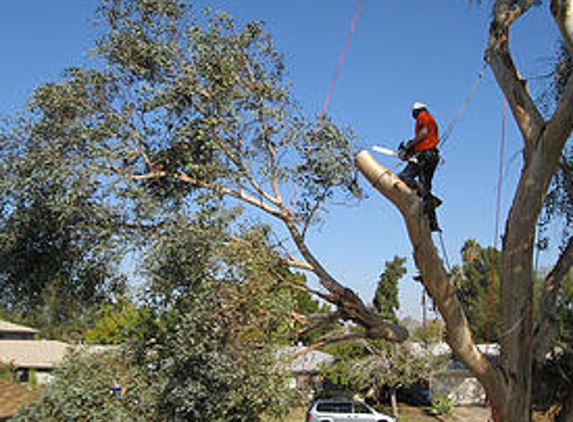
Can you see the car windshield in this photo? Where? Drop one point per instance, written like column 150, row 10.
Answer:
column 334, row 407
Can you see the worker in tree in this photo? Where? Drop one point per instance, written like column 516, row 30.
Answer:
column 423, row 157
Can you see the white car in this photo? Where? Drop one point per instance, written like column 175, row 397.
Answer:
column 344, row 410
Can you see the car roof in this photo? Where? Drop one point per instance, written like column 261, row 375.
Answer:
column 335, row 400
column 338, row 400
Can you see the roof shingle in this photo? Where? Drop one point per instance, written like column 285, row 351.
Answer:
column 39, row 354
column 8, row 327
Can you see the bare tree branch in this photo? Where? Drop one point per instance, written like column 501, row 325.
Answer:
column 347, row 301
column 296, row 263
column 514, row 87
column 316, row 321
column 331, row 340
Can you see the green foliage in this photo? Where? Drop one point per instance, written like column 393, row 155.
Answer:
column 554, row 377
column 374, row 365
column 557, row 77
column 7, row 372
column 181, row 368
column 386, row 295
column 54, row 239
column 473, row 281
column 432, row 332
column 193, row 95
column 442, row 405
column 391, row 365
column 558, row 204
column 260, row 293
column 345, row 353
column 117, row 324
column 182, row 113
column 82, row 390
column 203, row 377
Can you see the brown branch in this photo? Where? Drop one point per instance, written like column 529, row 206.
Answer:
column 243, row 170
column 270, row 148
column 316, row 321
column 331, row 340
column 137, row 144
column 347, row 301
column 528, row 118
column 186, row 178
column 296, row 263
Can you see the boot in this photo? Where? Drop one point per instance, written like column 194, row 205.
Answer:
column 432, row 202
column 434, row 226
column 436, row 202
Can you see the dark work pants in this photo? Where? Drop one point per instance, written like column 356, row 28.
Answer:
column 421, row 171
column 418, row 175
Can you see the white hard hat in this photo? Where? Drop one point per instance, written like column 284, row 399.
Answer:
column 419, row 106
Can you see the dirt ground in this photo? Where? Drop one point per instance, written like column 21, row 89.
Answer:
column 460, row 414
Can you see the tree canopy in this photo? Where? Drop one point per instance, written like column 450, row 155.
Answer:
column 184, row 123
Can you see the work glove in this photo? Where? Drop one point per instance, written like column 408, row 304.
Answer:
column 404, row 151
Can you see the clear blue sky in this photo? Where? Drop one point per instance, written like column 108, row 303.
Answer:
column 402, row 51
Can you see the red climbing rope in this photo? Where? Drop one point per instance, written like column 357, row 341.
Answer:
column 332, row 85
column 340, row 62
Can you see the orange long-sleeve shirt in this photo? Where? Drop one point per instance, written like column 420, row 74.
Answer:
column 426, row 120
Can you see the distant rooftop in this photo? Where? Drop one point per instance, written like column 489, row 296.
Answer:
column 39, row 354
column 8, row 327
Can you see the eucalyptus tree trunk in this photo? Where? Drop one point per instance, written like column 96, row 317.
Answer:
column 523, row 339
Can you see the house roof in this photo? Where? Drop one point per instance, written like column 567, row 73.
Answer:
column 8, row 327
column 39, row 354
column 12, row 396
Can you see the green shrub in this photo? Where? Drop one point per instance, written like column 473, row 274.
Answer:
column 7, row 372
column 82, row 389
column 442, row 405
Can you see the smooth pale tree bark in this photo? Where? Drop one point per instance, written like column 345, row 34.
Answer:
column 543, row 144
column 508, row 385
column 431, row 267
